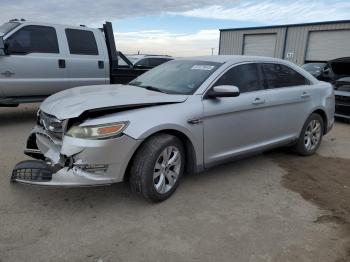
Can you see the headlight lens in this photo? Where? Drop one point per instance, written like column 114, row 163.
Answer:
column 97, row 132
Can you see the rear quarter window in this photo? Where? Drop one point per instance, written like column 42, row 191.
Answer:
column 278, row 76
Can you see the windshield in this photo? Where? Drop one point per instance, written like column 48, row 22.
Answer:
column 7, row 27
column 177, row 76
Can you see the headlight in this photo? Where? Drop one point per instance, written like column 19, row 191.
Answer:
column 97, row 132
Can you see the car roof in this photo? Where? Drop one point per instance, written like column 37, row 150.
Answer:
column 231, row 58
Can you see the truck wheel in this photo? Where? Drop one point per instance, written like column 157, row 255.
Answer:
column 310, row 136
column 157, row 167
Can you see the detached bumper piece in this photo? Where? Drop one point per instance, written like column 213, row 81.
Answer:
column 32, row 170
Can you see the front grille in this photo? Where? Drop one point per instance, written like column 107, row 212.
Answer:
column 342, row 100
column 51, row 124
column 32, row 170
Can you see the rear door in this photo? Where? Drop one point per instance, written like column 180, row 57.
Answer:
column 33, row 66
column 288, row 96
column 86, row 62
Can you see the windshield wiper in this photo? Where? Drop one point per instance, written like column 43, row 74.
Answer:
column 153, row 88
column 135, row 83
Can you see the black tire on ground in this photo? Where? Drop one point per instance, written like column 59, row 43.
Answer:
column 143, row 165
column 300, row 147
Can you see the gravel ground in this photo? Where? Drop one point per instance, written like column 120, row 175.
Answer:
column 271, row 207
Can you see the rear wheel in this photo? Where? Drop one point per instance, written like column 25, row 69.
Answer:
column 157, row 167
column 311, row 136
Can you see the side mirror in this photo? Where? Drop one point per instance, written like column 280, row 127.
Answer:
column 140, row 66
column 223, row 91
column 2, row 47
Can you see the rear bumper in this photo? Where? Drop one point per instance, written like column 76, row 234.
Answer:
column 80, row 162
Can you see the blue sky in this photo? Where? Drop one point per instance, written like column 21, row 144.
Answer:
column 195, row 31
column 175, row 27
column 177, row 23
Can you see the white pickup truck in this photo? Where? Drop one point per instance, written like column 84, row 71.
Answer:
column 40, row 59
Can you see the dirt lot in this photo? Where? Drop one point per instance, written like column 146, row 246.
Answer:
column 324, row 181
column 272, row 207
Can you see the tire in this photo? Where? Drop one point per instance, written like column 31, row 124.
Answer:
column 157, row 167
column 311, row 136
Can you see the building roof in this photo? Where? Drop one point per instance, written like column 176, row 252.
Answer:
column 287, row 25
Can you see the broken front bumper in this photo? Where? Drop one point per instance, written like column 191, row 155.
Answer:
column 75, row 162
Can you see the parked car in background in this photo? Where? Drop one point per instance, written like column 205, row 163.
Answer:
column 336, row 69
column 337, row 72
column 315, row 69
column 342, row 98
column 186, row 115
column 329, row 71
column 148, row 61
column 40, row 59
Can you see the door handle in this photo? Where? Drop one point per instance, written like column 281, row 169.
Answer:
column 305, row 95
column 258, row 101
column 7, row 73
column 61, row 63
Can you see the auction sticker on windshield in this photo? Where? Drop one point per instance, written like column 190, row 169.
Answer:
column 202, row 67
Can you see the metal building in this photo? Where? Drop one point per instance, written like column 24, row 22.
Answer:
column 298, row 43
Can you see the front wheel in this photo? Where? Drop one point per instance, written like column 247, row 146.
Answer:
column 310, row 136
column 157, row 167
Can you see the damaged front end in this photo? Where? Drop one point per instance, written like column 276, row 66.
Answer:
column 72, row 162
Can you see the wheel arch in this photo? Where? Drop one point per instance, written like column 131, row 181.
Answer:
column 190, row 153
column 323, row 114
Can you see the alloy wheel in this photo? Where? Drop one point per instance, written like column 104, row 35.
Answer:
column 167, row 169
column 312, row 135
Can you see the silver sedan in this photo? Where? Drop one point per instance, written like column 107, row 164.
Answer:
column 186, row 115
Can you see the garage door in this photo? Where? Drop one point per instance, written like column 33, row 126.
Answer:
column 260, row 45
column 328, row 45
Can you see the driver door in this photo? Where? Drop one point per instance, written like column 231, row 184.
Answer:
column 235, row 125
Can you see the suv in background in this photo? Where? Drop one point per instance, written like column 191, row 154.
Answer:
column 148, row 61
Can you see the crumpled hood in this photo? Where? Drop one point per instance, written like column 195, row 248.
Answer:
column 73, row 102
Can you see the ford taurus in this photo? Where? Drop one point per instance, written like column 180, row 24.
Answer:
column 186, row 115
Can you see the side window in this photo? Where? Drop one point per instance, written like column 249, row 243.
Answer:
column 277, row 76
column 81, row 42
column 245, row 77
column 33, row 39
column 121, row 62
